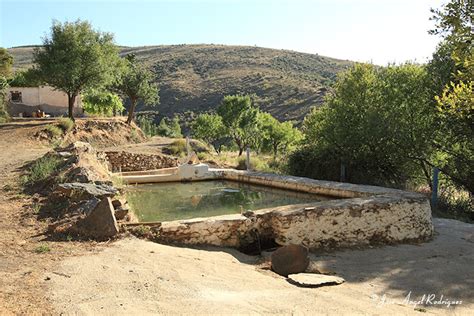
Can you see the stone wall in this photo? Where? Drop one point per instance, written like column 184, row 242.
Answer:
column 367, row 215
column 125, row 161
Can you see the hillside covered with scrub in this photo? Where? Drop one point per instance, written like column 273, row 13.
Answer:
column 196, row 77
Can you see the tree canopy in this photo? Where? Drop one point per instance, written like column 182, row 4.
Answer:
column 102, row 102
column 137, row 84
column 377, row 122
column 75, row 57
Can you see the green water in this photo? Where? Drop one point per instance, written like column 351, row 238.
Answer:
column 173, row 201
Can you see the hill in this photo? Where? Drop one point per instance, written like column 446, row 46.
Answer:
column 196, row 77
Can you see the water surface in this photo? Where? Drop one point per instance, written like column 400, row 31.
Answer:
column 176, row 200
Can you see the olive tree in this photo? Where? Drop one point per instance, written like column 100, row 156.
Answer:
column 137, row 84
column 240, row 118
column 75, row 57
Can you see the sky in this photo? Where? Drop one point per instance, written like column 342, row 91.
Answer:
column 377, row 31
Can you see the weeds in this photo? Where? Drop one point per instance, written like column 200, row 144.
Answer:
column 457, row 204
column 42, row 169
column 177, row 148
column 54, row 131
column 66, row 124
column 134, row 136
column 36, row 208
column 42, row 249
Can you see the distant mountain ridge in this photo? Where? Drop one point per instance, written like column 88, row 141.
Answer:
column 196, row 77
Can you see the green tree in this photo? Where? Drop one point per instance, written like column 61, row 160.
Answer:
column 6, row 63
column 25, row 78
column 455, row 104
column 137, row 83
column 210, row 128
column 240, row 118
column 455, row 23
column 378, row 122
column 75, row 57
column 278, row 136
column 102, row 102
column 169, row 128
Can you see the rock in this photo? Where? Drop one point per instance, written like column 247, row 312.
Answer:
column 100, row 223
column 121, row 212
column 290, row 259
column 85, row 191
column 314, row 280
column 118, row 203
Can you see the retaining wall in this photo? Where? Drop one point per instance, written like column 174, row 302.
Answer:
column 366, row 215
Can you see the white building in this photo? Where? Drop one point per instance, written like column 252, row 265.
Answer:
column 26, row 100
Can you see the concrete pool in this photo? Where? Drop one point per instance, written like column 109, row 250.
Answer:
column 356, row 215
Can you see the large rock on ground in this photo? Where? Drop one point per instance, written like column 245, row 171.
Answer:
column 84, row 191
column 314, row 279
column 290, row 259
column 100, row 223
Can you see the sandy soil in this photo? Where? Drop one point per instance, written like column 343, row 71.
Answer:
column 132, row 276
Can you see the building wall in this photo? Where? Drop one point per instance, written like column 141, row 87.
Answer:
column 42, row 98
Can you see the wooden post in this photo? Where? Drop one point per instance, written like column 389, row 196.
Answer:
column 434, row 189
column 343, row 173
column 247, row 161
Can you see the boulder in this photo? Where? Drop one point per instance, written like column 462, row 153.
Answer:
column 100, row 223
column 314, row 280
column 290, row 259
column 85, row 191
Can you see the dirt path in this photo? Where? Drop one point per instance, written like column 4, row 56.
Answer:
column 22, row 283
column 140, row 277
column 132, row 276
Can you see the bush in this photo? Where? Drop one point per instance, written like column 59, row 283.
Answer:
column 147, row 126
column 455, row 203
column 42, row 169
column 54, row 130
column 169, row 128
column 177, row 148
column 256, row 164
column 66, row 124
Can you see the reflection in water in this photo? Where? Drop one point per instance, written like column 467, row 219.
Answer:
column 172, row 201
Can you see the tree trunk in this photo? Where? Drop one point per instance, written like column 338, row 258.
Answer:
column 131, row 112
column 71, row 98
column 241, row 150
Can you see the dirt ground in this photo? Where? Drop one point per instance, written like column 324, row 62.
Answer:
column 132, row 276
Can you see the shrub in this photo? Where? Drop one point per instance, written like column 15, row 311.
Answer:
column 177, row 148
column 42, row 169
column 66, row 124
column 256, row 164
column 455, row 203
column 147, row 126
column 54, row 131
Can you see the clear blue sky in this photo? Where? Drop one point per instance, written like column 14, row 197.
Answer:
column 380, row 31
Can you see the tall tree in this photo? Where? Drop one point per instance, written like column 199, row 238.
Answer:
column 378, row 123
column 211, row 129
column 240, row 118
column 455, row 104
column 137, row 83
column 75, row 57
